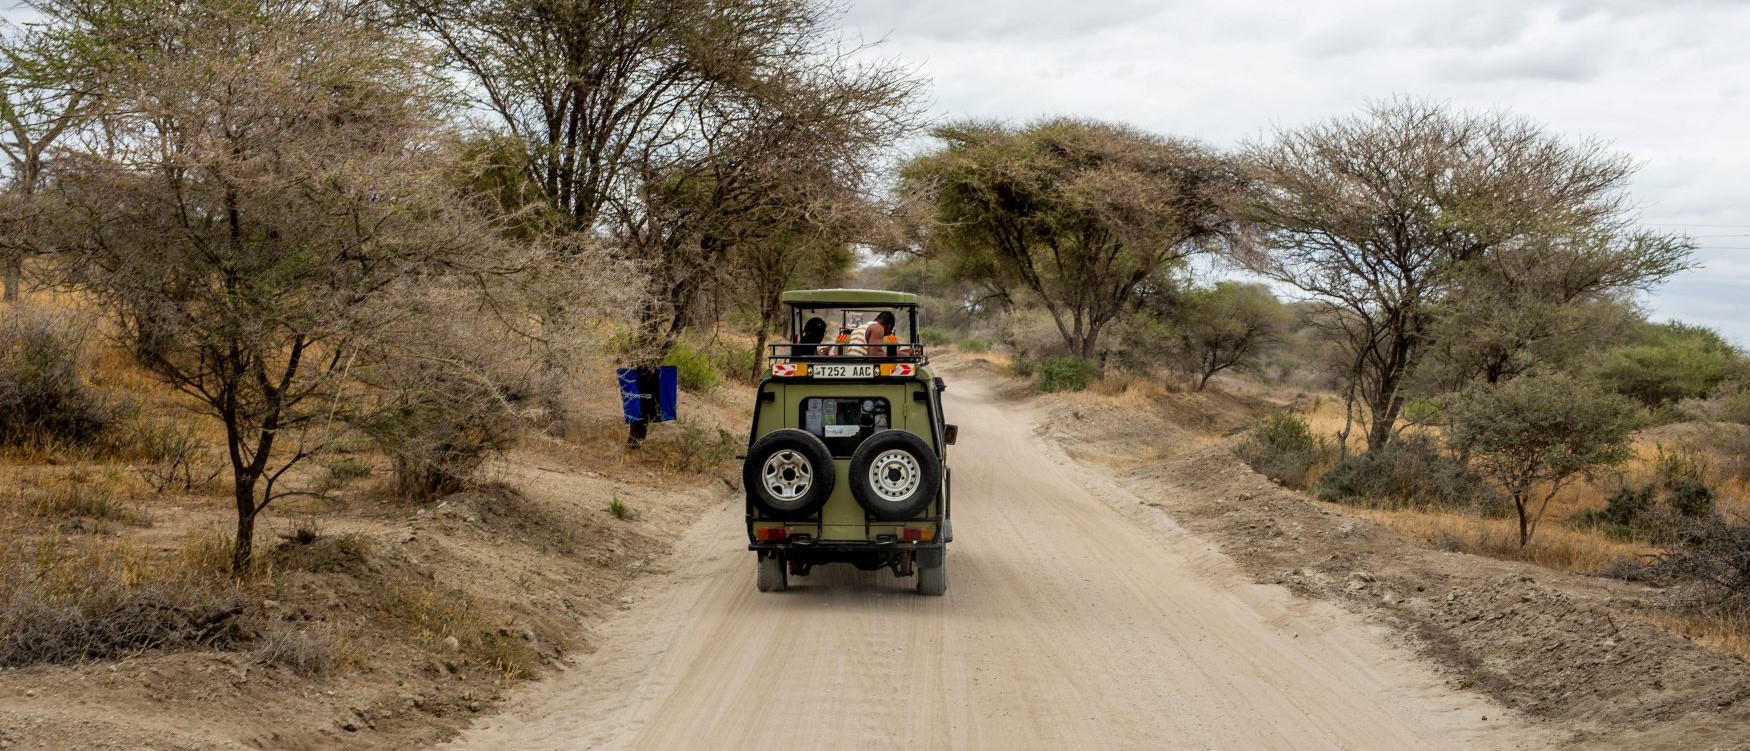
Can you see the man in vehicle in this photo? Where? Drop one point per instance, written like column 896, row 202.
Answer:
column 873, row 332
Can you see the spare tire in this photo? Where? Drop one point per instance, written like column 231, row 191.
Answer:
column 788, row 474
column 895, row 475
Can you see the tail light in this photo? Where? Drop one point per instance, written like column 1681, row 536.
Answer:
column 923, row 533
column 770, row 534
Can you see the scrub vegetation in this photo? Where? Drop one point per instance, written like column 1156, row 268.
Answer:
column 271, row 262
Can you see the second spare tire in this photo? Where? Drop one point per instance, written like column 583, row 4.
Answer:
column 895, row 475
column 788, row 474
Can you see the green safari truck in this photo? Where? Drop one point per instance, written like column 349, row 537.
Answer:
column 847, row 459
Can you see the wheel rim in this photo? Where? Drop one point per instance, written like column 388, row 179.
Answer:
column 895, row 475
column 788, row 475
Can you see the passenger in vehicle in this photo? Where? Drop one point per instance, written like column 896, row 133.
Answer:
column 876, row 332
column 813, row 333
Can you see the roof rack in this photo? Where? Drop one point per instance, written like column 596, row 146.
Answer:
column 828, row 360
column 837, row 298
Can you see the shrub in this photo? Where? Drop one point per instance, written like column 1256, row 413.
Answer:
column 696, row 448
column 693, row 367
column 620, row 510
column 1676, row 362
column 43, row 398
column 449, row 393
column 1539, row 431
column 1066, row 374
column 1736, row 408
column 931, row 335
column 736, row 363
column 1710, row 566
column 305, row 651
column 1410, row 473
column 1022, row 366
column 174, row 458
column 1283, row 448
column 438, row 437
column 1626, row 507
column 975, row 345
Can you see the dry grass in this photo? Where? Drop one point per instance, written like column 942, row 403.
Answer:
column 66, row 599
column 431, row 616
column 76, row 495
column 1553, row 546
column 309, row 651
column 1720, row 631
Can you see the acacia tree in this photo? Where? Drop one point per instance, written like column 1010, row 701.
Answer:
column 779, row 166
column 1537, row 432
column 42, row 98
column 778, row 262
column 267, row 181
column 1074, row 213
column 1226, row 326
column 1384, row 217
column 669, row 126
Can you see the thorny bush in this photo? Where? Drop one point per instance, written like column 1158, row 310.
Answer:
column 44, row 399
column 64, row 602
column 1410, row 473
column 1283, row 448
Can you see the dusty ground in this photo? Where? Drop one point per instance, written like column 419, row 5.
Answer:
column 536, row 559
column 1575, row 652
column 1077, row 617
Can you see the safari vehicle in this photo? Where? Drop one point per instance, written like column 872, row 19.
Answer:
column 847, row 457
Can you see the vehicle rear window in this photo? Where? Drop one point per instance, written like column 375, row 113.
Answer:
column 843, row 422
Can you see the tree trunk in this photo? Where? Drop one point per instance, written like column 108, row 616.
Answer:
column 1524, row 521
column 244, row 489
column 1204, row 380
column 759, row 355
column 14, row 276
column 769, row 314
column 1385, row 416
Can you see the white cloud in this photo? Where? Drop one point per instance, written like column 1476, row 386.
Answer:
column 1663, row 80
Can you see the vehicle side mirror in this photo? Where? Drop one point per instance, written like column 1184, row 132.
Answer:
column 950, row 433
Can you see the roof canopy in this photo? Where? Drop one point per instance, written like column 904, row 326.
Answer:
column 848, row 298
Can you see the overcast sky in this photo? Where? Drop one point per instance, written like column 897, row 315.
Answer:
column 1663, row 80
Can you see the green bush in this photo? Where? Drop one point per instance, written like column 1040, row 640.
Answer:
column 43, row 398
column 1624, row 513
column 1737, row 408
column 1410, row 472
column 1532, row 434
column 1066, row 374
column 1674, row 362
column 693, row 367
column 932, row 335
column 1661, row 510
column 1022, row 366
column 698, row 448
column 736, row 363
column 1684, row 477
column 975, row 345
column 1283, row 448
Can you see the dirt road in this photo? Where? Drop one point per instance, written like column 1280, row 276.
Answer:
column 1076, row 618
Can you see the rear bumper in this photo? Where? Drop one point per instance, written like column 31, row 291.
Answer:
column 847, row 548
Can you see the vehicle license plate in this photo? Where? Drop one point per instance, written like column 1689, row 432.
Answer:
column 842, row 371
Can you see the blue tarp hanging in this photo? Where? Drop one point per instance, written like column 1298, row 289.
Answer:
column 644, row 388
